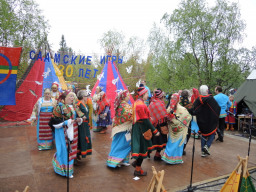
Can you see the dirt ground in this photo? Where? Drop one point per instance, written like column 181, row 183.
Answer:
column 22, row 164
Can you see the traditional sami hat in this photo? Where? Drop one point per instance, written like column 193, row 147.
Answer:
column 159, row 93
column 142, row 91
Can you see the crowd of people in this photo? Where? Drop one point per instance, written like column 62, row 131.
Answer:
column 149, row 124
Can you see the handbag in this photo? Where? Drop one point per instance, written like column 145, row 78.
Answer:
column 164, row 130
column 147, row 135
column 54, row 121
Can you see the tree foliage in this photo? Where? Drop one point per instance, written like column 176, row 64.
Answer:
column 198, row 47
column 22, row 25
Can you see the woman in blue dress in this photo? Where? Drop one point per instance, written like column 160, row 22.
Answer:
column 66, row 131
column 43, row 111
column 177, row 133
column 122, row 125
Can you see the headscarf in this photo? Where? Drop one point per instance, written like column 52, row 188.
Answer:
column 157, row 108
column 103, row 102
column 195, row 95
column 120, row 97
column 174, row 101
column 64, row 95
column 184, row 101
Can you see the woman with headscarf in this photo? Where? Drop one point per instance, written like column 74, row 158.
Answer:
column 66, row 131
column 195, row 95
column 142, row 130
column 158, row 117
column 122, row 125
column 104, row 115
column 43, row 111
column 95, row 100
column 184, row 102
column 177, row 133
column 84, row 135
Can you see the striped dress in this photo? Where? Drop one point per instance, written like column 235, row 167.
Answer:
column 43, row 110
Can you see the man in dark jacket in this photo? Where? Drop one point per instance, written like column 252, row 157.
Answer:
column 207, row 112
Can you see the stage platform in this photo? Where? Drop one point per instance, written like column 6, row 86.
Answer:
column 22, row 164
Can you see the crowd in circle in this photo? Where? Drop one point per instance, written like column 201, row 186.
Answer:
column 149, row 126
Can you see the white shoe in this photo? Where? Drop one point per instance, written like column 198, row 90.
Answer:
column 71, row 176
column 203, row 154
column 206, row 150
column 125, row 164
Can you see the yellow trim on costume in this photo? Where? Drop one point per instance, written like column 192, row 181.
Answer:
column 6, row 71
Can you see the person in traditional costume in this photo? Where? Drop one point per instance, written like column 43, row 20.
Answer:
column 104, row 114
column 158, row 117
column 141, row 131
column 89, row 103
column 195, row 95
column 184, row 99
column 121, row 132
column 149, row 92
column 230, row 118
column 206, row 110
column 42, row 111
column 66, row 131
column 95, row 99
column 184, row 102
column 55, row 91
column 70, row 88
column 84, row 135
column 178, row 128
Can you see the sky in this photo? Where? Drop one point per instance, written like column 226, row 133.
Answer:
column 83, row 22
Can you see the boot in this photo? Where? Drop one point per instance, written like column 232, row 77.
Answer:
column 232, row 128
column 139, row 172
column 134, row 163
column 157, row 156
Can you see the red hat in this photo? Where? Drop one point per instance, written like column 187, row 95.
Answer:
column 64, row 95
column 142, row 91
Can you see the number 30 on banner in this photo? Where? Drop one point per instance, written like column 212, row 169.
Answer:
column 69, row 70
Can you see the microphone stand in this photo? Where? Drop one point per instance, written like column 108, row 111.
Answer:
column 190, row 188
column 250, row 136
column 68, row 150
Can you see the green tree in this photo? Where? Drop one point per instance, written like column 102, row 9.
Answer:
column 22, row 25
column 200, row 45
